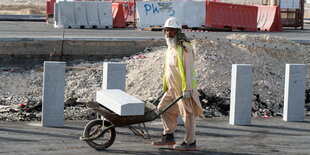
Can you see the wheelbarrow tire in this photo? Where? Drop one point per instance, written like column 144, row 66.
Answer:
column 99, row 146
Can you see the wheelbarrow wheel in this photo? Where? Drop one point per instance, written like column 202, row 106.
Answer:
column 93, row 129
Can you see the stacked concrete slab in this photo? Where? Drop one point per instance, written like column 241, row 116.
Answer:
column 112, row 95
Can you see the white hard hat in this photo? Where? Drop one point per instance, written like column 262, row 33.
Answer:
column 173, row 22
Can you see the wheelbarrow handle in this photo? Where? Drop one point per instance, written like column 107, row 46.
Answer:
column 159, row 97
column 167, row 108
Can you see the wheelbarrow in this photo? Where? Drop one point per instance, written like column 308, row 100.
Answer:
column 100, row 134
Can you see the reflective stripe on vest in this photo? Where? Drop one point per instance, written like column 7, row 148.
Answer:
column 181, row 70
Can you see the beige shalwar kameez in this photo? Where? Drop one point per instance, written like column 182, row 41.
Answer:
column 189, row 108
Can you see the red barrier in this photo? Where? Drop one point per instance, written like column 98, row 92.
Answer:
column 269, row 18
column 118, row 15
column 213, row 0
column 129, row 9
column 50, row 8
column 234, row 16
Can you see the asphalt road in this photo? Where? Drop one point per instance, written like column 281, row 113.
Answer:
column 10, row 30
column 214, row 136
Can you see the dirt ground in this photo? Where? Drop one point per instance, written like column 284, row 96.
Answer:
column 21, row 9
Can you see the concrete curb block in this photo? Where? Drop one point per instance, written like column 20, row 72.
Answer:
column 307, row 42
column 107, row 39
column 81, row 39
column 40, row 18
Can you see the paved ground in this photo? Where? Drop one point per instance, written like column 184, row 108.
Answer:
column 42, row 31
column 214, row 136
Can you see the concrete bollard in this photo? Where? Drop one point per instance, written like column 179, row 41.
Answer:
column 53, row 94
column 241, row 94
column 114, row 76
column 294, row 92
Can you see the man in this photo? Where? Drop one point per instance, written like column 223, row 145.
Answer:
column 179, row 79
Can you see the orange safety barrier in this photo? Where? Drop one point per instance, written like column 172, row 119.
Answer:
column 214, row 0
column 129, row 9
column 118, row 15
column 234, row 16
column 50, row 8
column 269, row 18
column 85, row 0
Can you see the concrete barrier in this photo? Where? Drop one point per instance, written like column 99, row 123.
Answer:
column 269, row 18
column 64, row 15
column 156, row 13
column 233, row 16
column 80, row 14
column 241, row 94
column 190, row 9
column 53, row 94
column 83, row 14
column 294, row 92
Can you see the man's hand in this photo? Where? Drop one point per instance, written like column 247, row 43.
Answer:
column 187, row 94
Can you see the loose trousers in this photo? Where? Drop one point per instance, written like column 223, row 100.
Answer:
column 169, row 118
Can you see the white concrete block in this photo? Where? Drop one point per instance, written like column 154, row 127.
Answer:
column 294, row 92
column 120, row 102
column 53, row 94
column 114, row 76
column 241, row 94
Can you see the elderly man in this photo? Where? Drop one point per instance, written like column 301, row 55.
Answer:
column 179, row 79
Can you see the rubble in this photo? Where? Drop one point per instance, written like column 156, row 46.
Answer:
column 144, row 79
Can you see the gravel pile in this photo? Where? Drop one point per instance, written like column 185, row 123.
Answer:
column 21, row 90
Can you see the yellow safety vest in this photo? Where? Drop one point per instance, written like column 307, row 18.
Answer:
column 181, row 70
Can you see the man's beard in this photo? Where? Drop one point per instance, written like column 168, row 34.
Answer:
column 171, row 42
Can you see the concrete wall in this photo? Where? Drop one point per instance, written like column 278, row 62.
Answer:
column 31, row 52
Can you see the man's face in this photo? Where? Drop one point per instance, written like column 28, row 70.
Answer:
column 170, row 32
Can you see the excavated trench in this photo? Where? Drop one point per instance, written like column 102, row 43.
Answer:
column 31, row 52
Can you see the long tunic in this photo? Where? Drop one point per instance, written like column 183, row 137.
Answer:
column 174, row 81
